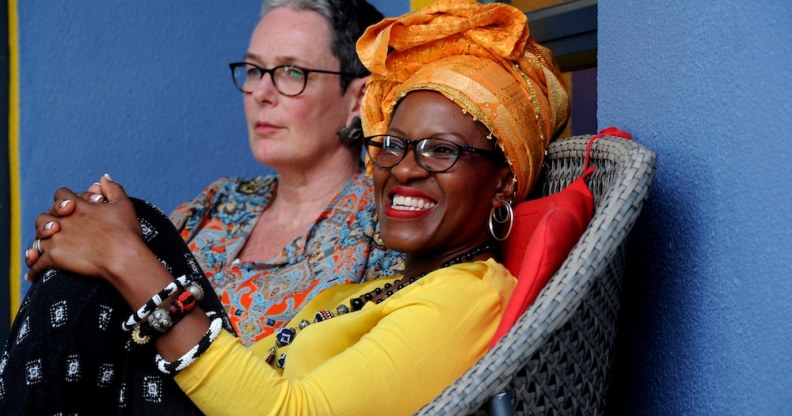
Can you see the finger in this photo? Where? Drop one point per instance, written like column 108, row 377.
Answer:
column 63, row 207
column 57, row 197
column 95, row 188
column 65, row 202
column 35, row 269
column 84, row 195
column 91, row 197
column 43, row 219
column 112, row 190
column 95, row 193
column 95, row 198
column 65, row 194
column 48, row 229
column 39, row 258
column 31, row 256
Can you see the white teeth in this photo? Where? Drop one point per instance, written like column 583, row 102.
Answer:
column 409, row 203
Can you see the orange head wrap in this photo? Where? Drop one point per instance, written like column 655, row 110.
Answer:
column 483, row 58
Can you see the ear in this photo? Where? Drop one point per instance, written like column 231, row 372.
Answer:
column 354, row 95
column 506, row 187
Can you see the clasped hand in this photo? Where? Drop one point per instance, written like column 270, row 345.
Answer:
column 86, row 233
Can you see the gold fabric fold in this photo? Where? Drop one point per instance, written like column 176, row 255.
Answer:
column 483, row 58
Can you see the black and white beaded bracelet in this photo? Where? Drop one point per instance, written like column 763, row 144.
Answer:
column 180, row 364
column 154, row 302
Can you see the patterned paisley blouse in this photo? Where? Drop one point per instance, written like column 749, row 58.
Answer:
column 260, row 297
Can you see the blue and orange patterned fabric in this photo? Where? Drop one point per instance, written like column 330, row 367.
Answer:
column 260, row 297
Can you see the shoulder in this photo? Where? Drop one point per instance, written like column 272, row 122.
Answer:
column 220, row 191
column 485, row 283
column 488, row 272
column 241, row 190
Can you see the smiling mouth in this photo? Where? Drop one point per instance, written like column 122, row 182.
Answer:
column 411, row 203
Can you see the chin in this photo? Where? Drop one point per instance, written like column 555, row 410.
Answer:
column 269, row 156
column 403, row 242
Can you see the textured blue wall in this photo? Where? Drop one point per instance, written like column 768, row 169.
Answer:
column 708, row 319
column 140, row 90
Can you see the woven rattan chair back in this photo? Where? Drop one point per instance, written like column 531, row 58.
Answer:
column 557, row 357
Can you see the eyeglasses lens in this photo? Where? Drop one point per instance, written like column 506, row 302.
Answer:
column 434, row 155
column 288, row 80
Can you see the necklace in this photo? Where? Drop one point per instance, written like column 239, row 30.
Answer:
column 285, row 336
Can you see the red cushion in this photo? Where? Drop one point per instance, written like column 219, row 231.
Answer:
column 544, row 232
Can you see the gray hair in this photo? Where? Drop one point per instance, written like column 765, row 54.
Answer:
column 348, row 20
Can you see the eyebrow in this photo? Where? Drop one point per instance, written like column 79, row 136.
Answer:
column 286, row 60
column 438, row 135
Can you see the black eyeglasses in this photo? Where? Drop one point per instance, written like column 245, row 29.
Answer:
column 434, row 155
column 289, row 80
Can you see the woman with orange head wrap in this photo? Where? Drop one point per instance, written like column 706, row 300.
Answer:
column 458, row 111
column 483, row 58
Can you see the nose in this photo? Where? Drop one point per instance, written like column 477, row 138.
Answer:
column 408, row 168
column 265, row 89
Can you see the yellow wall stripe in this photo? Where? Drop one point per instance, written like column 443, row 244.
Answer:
column 13, row 154
column 417, row 4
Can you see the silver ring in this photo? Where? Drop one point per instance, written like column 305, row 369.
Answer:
column 37, row 246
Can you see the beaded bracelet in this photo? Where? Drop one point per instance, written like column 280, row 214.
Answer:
column 180, row 364
column 161, row 320
column 186, row 300
column 152, row 304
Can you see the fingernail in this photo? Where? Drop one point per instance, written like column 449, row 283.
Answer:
column 107, row 176
column 48, row 226
column 27, row 277
column 64, row 203
column 27, row 254
column 97, row 184
column 96, row 198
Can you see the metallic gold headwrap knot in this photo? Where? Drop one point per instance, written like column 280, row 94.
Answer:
column 483, row 58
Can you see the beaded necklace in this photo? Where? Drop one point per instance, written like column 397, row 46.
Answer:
column 285, row 336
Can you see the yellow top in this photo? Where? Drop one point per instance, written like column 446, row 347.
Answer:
column 386, row 359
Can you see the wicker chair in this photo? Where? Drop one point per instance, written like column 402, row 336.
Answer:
column 557, row 357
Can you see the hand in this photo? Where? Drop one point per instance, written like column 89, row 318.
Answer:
column 61, row 208
column 83, row 237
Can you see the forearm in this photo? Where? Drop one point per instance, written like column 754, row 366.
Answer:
column 137, row 275
column 230, row 380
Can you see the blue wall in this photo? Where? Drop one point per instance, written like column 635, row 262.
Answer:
column 708, row 319
column 140, row 90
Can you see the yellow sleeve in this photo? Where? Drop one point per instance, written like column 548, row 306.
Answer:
column 410, row 348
